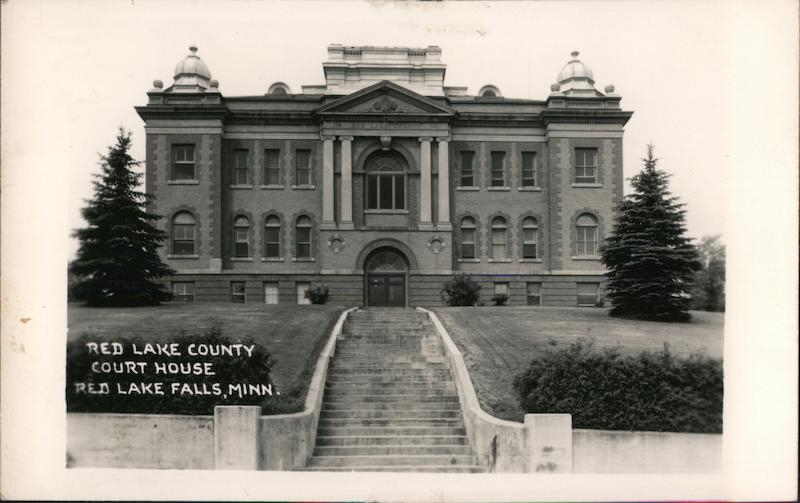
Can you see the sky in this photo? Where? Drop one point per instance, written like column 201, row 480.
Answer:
column 81, row 67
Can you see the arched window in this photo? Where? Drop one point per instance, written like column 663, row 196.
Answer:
column 499, row 231
column 386, row 182
column 302, row 237
column 586, row 236
column 272, row 237
column 241, row 235
column 183, row 233
column 467, row 237
column 530, row 238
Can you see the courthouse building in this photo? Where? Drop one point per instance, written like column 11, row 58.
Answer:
column 383, row 183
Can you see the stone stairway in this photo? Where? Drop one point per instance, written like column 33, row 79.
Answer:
column 390, row 402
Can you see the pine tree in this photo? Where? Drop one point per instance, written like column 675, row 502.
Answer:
column 118, row 260
column 650, row 261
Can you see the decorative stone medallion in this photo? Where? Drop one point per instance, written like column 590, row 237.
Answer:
column 336, row 243
column 386, row 142
column 436, row 244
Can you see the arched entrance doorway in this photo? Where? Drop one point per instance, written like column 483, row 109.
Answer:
column 386, row 273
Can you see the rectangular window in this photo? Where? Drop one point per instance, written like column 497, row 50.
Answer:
column 270, row 292
column 272, row 167
column 498, row 169
column 587, row 294
column 529, row 240
column 468, row 243
column 183, row 162
column 467, row 169
column 183, row 242
column 529, row 169
column 183, row 291
column 302, row 165
column 302, row 286
column 534, row 294
column 586, row 241
column 242, row 241
column 585, row 165
column 498, row 244
column 237, row 292
column 240, row 167
column 386, row 192
column 501, row 288
column 303, row 240
column 273, row 242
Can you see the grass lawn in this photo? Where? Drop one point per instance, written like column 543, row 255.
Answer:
column 293, row 334
column 499, row 342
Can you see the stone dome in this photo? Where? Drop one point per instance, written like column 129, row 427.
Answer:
column 576, row 77
column 192, row 73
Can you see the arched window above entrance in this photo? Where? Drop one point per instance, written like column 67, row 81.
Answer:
column 386, row 182
column 386, row 261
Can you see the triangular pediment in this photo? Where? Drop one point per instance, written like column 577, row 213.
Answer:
column 385, row 98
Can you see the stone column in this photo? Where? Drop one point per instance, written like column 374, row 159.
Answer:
column 443, row 216
column 327, row 180
column 425, row 182
column 346, row 215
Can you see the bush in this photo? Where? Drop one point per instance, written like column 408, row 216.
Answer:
column 500, row 299
column 318, row 294
column 654, row 391
column 252, row 369
column 462, row 290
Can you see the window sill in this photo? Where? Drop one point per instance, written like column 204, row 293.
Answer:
column 469, row 260
column 386, row 212
column 181, row 256
column 183, row 182
column 587, row 185
column 531, row 260
column 588, row 257
column 498, row 189
column 499, row 260
column 309, row 259
column 273, row 187
column 272, row 259
column 304, row 187
column 241, row 259
column 241, row 186
column 468, row 189
column 529, row 189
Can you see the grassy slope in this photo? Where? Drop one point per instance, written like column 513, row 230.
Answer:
column 294, row 335
column 499, row 342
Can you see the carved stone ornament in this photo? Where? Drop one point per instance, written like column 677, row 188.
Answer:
column 436, row 244
column 386, row 142
column 385, row 105
column 336, row 243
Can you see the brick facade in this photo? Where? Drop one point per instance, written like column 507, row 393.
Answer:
column 379, row 118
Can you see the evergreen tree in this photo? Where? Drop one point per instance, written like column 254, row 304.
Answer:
column 118, row 258
column 651, row 263
column 708, row 293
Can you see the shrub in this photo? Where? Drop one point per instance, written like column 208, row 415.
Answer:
column 500, row 299
column 252, row 369
column 318, row 294
column 654, row 391
column 462, row 290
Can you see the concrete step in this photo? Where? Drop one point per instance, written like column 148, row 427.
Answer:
column 393, row 450
column 391, row 386
column 390, row 414
column 427, row 468
column 393, row 440
column 382, row 431
column 399, row 460
column 391, row 422
column 447, row 404
column 433, row 395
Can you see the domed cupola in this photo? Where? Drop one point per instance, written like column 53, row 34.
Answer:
column 576, row 78
column 192, row 74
